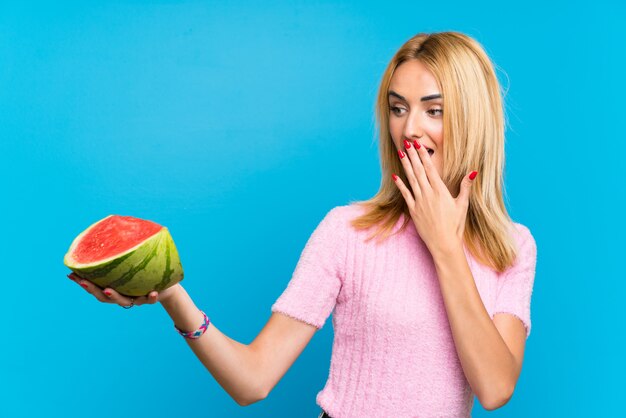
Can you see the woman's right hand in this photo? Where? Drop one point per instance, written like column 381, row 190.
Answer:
column 108, row 295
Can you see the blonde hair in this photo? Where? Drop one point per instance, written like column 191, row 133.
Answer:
column 473, row 128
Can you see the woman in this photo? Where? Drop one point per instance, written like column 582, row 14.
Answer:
column 437, row 308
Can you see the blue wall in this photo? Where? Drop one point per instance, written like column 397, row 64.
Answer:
column 238, row 126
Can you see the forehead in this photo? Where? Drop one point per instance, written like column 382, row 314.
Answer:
column 412, row 79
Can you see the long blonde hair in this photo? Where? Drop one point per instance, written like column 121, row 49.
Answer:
column 473, row 128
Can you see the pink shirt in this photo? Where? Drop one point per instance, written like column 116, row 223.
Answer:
column 393, row 352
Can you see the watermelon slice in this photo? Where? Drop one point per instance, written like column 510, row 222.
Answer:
column 131, row 255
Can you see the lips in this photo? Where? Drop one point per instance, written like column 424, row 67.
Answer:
column 430, row 151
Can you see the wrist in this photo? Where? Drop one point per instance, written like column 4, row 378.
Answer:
column 169, row 294
column 445, row 251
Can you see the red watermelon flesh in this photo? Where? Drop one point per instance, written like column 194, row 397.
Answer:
column 112, row 236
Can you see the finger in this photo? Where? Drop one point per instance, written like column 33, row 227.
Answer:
column 146, row 300
column 153, row 297
column 114, row 296
column 466, row 187
column 431, row 174
column 93, row 289
column 418, row 165
column 410, row 175
column 149, row 299
column 406, row 193
column 109, row 295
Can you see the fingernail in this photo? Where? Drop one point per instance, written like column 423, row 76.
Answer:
column 106, row 292
column 84, row 285
column 407, row 144
column 69, row 276
column 417, row 144
column 394, row 177
column 473, row 175
column 400, row 153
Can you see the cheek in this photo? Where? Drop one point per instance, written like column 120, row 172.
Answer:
column 395, row 132
column 439, row 163
column 393, row 126
column 438, row 135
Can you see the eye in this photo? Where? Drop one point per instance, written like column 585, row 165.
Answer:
column 436, row 110
column 396, row 110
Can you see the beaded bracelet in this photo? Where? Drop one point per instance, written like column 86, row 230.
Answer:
column 197, row 333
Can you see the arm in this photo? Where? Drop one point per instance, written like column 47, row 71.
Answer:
column 491, row 368
column 246, row 372
column 490, row 352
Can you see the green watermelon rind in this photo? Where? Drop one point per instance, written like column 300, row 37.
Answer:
column 154, row 264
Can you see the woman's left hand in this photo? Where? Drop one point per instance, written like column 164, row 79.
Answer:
column 438, row 217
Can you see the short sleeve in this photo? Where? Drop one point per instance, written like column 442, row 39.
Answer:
column 515, row 285
column 312, row 292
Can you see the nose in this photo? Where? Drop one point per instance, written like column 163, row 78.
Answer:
column 412, row 127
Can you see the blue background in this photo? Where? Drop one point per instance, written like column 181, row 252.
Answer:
column 239, row 125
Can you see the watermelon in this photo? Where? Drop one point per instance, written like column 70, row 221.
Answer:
column 131, row 255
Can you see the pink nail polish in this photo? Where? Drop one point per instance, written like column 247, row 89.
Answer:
column 417, row 144
column 84, row 285
column 400, row 153
column 106, row 292
column 407, row 144
column 473, row 174
column 394, row 177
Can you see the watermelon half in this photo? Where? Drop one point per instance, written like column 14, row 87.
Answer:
column 131, row 255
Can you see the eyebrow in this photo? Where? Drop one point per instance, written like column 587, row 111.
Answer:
column 423, row 99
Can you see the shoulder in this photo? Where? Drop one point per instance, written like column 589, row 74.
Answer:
column 522, row 236
column 526, row 246
column 342, row 215
column 337, row 222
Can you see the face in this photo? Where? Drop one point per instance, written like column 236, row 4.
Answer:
column 416, row 110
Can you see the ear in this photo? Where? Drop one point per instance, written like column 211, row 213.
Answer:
column 466, row 186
